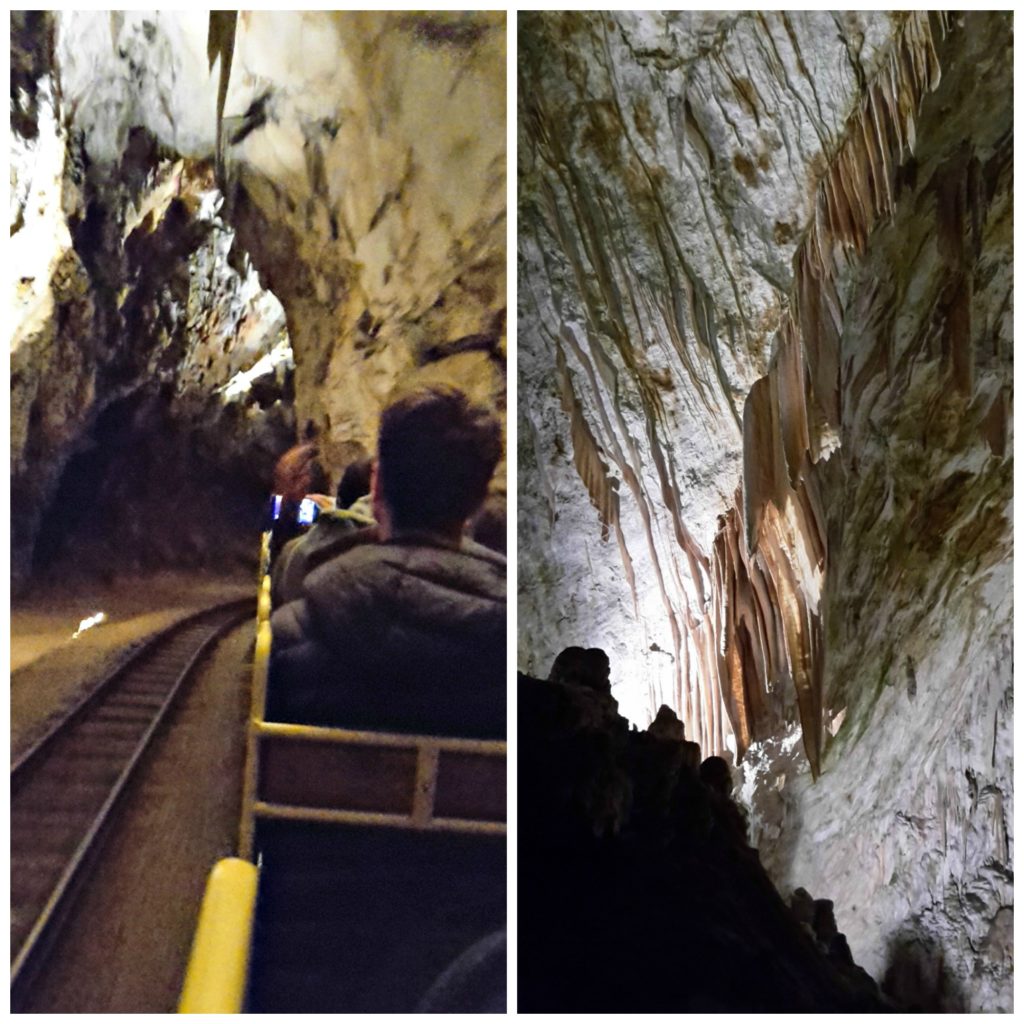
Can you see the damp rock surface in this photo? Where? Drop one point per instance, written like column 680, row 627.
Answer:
column 232, row 233
column 765, row 436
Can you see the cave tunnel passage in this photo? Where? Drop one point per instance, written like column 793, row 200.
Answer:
column 153, row 403
column 233, row 235
column 164, row 239
column 145, row 493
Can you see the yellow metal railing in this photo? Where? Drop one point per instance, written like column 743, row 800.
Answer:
column 216, row 977
column 215, row 981
column 421, row 815
column 263, row 601
column 264, row 565
column 260, row 671
column 428, row 751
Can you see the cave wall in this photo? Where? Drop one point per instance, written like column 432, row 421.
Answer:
column 388, row 240
column 667, row 173
column 126, row 290
column 175, row 175
column 765, row 436
column 911, row 823
column 362, row 162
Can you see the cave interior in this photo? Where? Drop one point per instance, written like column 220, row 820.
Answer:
column 765, row 452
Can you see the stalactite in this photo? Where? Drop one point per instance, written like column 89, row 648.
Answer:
column 753, row 628
column 591, row 467
column 792, row 403
column 854, row 195
column 220, row 42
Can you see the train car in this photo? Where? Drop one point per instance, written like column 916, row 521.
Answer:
column 370, row 875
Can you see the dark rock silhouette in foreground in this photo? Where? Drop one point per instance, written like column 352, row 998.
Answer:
column 638, row 891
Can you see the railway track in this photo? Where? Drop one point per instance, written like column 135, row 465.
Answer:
column 66, row 788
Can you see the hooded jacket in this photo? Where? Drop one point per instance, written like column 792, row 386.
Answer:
column 334, row 532
column 407, row 635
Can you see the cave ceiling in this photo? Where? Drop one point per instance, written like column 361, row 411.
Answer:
column 379, row 246
column 275, row 216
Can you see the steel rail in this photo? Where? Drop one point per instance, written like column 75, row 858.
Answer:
column 98, row 691
column 31, row 955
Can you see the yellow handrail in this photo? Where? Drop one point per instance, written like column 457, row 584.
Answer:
column 264, row 553
column 428, row 751
column 260, row 670
column 330, row 734
column 263, row 601
column 216, row 976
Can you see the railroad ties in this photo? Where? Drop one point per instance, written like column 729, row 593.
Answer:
column 65, row 788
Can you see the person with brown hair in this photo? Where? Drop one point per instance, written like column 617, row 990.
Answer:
column 336, row 530
column 406, row 632
column 298, row 474
column 297, row 471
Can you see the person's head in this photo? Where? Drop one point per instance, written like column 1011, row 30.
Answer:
column 355, row 482
column 436, row 452
column 299, row 472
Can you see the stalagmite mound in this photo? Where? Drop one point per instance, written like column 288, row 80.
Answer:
column 638, row 891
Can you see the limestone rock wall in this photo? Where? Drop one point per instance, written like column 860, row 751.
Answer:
column 370, row 189
column 362, row 161
column 668, row 165
column 125, row 289
column 914, row 809
column 170, row 168
column 765, row 442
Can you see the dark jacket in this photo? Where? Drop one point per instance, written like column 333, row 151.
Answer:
column 334, row 531
column 407, row 635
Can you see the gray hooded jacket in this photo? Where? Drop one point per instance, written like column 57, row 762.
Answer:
column 407, row 635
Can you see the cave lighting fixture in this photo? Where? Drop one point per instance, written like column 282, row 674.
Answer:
column 93, row 620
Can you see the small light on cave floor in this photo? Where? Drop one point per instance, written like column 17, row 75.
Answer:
column 93, row 620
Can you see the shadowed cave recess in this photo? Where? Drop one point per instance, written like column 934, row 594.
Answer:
column 765, row 462
column 231, row 232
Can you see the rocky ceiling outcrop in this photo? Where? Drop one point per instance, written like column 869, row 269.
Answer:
column 129, row 325
column 765, row 350
column 162, row 159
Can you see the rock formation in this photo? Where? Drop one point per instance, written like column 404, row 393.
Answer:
column 638, row 891
column 231, row 232
column 765, row 438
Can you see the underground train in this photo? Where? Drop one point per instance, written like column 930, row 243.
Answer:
column 370, row 874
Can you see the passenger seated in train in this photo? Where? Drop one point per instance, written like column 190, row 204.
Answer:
column 333, row 532
column 298, row 476
column 408, row 632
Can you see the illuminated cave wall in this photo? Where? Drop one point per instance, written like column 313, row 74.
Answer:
column 765, row 435
column 132, row 314
column 667, row 177
column 312, row 204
